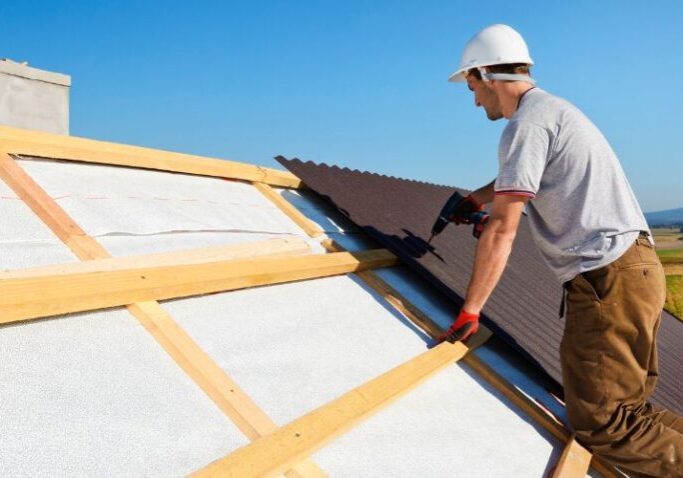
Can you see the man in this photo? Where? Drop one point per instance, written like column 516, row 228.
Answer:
column 585, row 219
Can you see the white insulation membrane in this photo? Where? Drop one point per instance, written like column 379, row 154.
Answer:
column 328, row 219
column 24, row 240
column 122, row 205
column 94, row 395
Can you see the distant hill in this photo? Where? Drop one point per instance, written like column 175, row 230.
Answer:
column 670, row 217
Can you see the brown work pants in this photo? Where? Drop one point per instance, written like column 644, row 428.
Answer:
column 609, row 365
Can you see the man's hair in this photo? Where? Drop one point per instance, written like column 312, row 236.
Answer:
column 512, row 68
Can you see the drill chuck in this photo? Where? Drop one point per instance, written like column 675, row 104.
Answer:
column 478, row 218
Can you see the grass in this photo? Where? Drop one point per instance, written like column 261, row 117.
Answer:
column 671, row 255
column 674, row 295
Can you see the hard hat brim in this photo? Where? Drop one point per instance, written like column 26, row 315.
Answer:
column 458, row 77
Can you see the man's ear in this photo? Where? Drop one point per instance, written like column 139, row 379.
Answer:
column 495, row 85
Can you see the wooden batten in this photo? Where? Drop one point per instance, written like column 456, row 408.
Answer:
column 289, row 246
column 48, row 145
column 279, row 451
column 65, row 293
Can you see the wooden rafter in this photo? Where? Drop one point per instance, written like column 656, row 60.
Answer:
column 574, row 462
column 290, row 211
column 39, row 201
column 70, row 148
column 189, row 356
column 272, row 454
column 419, row 318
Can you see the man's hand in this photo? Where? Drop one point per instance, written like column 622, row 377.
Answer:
column 464, row 209
column 462, row 329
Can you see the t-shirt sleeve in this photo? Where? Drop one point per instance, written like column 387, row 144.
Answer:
column 522, row 156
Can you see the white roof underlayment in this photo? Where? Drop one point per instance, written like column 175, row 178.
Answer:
column 94, row 395
column 24, row 240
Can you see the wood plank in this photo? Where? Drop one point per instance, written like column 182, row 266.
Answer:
column 331, row 245
column 274, row 453
column 218, row 386
column 78, row 292
column 70, row 148
column 286, row 207
column 574, row 462
column 287, row 246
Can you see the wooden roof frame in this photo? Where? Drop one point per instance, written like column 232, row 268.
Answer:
column 25, row 142
column 292, row 459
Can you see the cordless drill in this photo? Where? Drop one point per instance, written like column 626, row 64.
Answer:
column 451, row 210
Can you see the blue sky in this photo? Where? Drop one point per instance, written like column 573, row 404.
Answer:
column 360, row 84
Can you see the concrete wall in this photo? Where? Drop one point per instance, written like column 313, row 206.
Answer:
column 33, row 99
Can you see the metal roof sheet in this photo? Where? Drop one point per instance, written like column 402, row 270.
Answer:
column 524, row 308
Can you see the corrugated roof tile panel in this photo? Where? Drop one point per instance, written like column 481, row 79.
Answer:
column 523, row 309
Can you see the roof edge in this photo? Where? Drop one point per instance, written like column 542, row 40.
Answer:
column 22, row 70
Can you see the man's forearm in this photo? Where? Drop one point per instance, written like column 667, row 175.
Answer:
column 493, row 250
column 484, row 194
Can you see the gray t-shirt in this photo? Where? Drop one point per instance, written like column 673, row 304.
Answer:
column 583, row 213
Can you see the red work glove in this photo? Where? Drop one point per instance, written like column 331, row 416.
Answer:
column 467, row 206
column 462, row 329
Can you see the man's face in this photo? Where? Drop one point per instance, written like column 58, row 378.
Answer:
column 485, row 95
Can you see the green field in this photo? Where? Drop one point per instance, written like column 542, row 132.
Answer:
column 670, row 252
column 674, row 295
column 671, row 256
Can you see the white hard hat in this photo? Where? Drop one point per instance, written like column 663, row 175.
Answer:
column 495, row 45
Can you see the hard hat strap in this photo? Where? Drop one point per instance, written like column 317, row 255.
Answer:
column 486, row 76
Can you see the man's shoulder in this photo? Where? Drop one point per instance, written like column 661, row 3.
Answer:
column 543, row 109
column 540, row 98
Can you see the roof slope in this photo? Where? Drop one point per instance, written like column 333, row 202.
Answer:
column 197, row 378
column 524, row 308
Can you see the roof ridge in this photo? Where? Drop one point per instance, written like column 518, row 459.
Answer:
column 295, row 159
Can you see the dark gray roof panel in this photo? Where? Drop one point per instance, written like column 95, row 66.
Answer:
column 524, row 308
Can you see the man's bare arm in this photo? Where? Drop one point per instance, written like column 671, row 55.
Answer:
column 493, row 250
column 484, row 194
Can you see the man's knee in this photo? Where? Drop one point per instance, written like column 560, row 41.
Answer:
column 599, row 427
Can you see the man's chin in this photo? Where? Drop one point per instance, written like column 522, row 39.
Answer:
column 493, row 116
